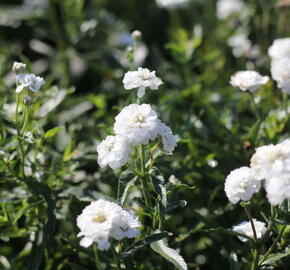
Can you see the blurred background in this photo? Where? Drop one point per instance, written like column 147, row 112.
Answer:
column 80, row 47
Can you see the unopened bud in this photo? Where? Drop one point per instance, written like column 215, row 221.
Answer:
column 27, row 100
column 18, row 67
column 136, row 35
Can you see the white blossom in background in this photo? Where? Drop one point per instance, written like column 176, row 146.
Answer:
column 137, row 123
column 168, row 139
column 271, row 160
column 18, row 67
column 103, row 219
column 240, row 44
column 246, row 228
column 225, row 8
column 280, row 70
column 141, row 79
column 114, row 151
column 248, row 80
column 30, row 81
column 278, row 188
column 171, row 3
column 241, row 184
column 280, row 49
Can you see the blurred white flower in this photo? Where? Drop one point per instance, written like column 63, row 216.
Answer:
column 280, row 70
column 280, row 49
column 225, row 8
column 278, row 187
column 271, row 160
column 141, row 79
column 241, row 184
column 240, row 44
column 246, row 228
column 18, row 67
column 248, row 80
column 30, row 81
column 168, row 139
column 103, row 219
column 171, row 3
column 137, row 123
column 114, row 151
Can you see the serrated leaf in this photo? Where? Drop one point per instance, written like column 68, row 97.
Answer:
column 144, row 242
column 52, row 132
column 169, row 254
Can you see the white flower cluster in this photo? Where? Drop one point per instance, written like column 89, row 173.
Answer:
column 246, row 229
column 102, row 220
column 279, row 52
column 26, row 81
column 225, row 8
column 271, row 164
column 248, row 80
column 134, row 125
column 141, row 79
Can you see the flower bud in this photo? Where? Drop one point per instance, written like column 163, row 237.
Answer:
column 18, row 67
column 27, row 100
column 136, row 35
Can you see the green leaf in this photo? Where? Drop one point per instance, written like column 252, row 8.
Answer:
column 144, row 242
column 52, row 132
column 273, row 258
column 125, row 182
column 169, row 254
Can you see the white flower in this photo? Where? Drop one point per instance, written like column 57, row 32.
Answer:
column 32, row 82
column 168, row 139
column 240, row 44
column 225, row 8
column 241, row 184
column 137, row 123
column 246, row 228
column 278, row 187
column 271, row 160
column 103, row 219
column 248, row 80
column 18, row 67
column 141, row 79
column 280, row 70
column 280, row 49
column 127, row 225
column 114, row 151
column 171, row 3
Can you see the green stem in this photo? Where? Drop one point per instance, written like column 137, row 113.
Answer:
column 143, row 176
column 251, row 221
column 116, row 258
column 26, row 117
column 19, row 140
column 274, row 244
column 256, row 109
column 97, row 261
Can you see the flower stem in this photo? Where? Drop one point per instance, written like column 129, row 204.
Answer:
column 26, row 117
column 256, row 109
column 251, row 221
column 97, row 261
column 143, row 177
column 116, row 258
column 19, row 135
